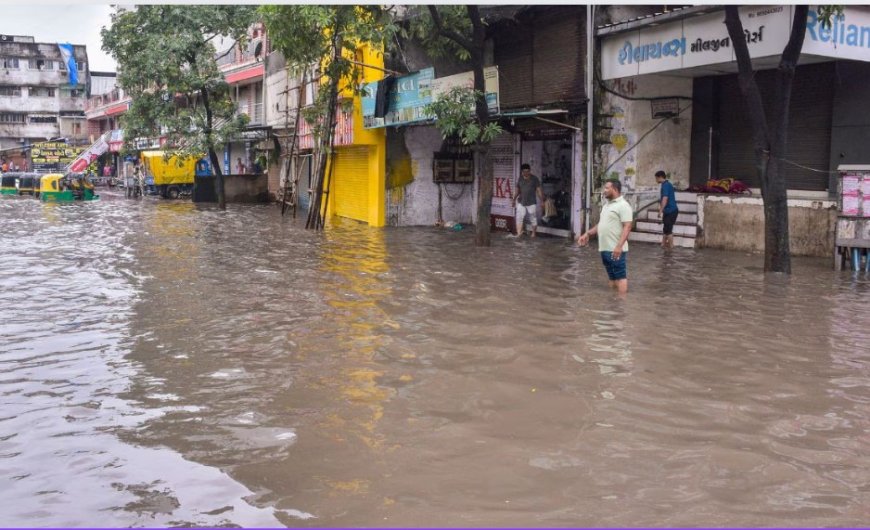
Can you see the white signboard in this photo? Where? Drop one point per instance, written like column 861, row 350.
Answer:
column 704, row 40
column 848, row 37
column 707, row 41
column 442, row 85
column 662, row 48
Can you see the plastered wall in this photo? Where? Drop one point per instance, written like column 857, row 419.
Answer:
column 412, row 196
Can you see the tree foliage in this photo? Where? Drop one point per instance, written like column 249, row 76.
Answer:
column 461, row 31
column 166, row 63
column 421, row 28
column 455, row 117
column 326, row 38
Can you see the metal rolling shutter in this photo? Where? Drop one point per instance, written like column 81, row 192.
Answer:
column 809, row 131
column 351, row 183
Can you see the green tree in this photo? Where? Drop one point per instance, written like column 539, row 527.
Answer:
column 167, row 64
column 461, row 32
column 769, row 131
column 326, row 37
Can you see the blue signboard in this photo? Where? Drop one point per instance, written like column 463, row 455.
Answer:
column 407, row 99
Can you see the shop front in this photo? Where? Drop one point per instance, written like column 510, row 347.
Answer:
column 552, row 149
column 692, row 60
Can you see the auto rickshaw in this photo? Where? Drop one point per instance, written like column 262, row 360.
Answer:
column 28, row 184
column 56, row 187
column 7, row 183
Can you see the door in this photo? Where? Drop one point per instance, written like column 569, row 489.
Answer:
column 352, row 183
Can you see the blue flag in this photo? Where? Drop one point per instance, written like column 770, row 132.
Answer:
column 66, row 52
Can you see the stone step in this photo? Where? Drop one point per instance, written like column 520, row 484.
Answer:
column 687, row 207
column 656, row 227
column 649, row 237
column 686, row 196
column 683, row 218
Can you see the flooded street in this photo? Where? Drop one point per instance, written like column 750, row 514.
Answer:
column 164, row 364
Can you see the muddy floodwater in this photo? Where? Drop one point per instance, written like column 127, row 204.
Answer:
column 163, row 364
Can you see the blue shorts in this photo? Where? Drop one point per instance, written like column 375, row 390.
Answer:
column 616, row 269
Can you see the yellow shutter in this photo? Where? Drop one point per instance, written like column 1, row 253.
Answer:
column 352, row 183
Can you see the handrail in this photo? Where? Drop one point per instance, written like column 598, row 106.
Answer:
column 634, row 218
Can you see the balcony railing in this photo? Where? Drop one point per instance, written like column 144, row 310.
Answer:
column 254, row 112
column 105, row 99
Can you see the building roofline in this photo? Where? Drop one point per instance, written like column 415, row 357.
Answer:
column 656, row 19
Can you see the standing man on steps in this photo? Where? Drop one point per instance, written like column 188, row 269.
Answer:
column 668, row 208
column 528, row 191
column 613, row 229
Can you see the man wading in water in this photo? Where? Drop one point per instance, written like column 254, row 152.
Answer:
column 613, row 229
column 528, row 190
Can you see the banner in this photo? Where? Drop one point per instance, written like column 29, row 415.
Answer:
column 69, row 59
column 90, row 154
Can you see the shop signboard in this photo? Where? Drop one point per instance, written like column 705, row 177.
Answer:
column 412, row 93
column 407, row 99
column 442, row 85
column 52, row 156
column 116, row 140
column 501, row 152
column 704, row 40
column 848, row 37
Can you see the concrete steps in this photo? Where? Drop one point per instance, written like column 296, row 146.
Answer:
column 649, row 227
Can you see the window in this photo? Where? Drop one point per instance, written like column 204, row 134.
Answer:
column 77, row 128
column 41, row 92
column 43, row 119
column 10, row 63
column 39, row 64
column 11, row 117
column 72, row 92
column 10, row 91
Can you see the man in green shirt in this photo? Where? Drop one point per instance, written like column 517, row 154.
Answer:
column 613, row 229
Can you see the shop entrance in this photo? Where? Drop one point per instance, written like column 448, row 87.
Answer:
column 550, row 154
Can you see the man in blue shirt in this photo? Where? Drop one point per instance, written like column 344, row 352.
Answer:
column 668, row 208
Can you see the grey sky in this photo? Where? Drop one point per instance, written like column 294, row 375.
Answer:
column 76, row 24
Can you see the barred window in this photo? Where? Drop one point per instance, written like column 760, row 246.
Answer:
column 10, row 63
column 42, row 92
column 11, row 117
column 10, row 91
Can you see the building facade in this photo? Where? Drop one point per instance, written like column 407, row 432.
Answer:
column 670, row 100
column 37, row 101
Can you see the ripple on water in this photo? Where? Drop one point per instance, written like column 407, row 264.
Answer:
column 185, row 366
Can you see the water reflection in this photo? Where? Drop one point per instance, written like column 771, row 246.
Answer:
column 187, row 366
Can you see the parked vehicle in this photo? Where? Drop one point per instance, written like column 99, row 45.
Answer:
column 28, row 184
column 56, row 187
column 173, row 177
column 7, row 183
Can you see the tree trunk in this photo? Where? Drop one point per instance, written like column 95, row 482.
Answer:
column 771, row 144
column 315, row 217
column 212, row 154
column 484, row 196
column 326, row 144
column 481, row 110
